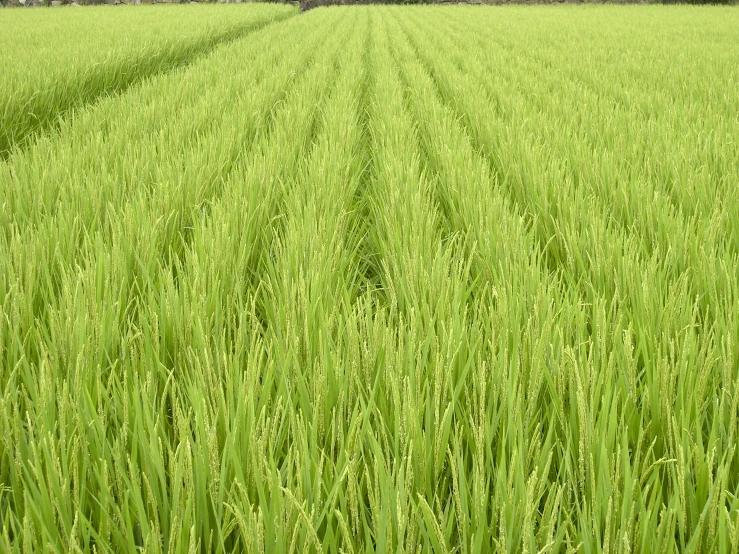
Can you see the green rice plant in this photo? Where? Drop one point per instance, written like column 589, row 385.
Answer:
column 529, row 199
column 310, row 276
column 53, row 63
column 144, row 211
column 122, row 258
column 423, row 292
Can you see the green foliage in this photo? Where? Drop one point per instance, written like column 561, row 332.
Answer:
column 94, row 54
column 384, row 279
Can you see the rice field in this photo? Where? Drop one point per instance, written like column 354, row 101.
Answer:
column 370, row 279
column 54, row 61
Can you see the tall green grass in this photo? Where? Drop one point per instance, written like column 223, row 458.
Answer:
column 383, row 280
column 53, row 63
